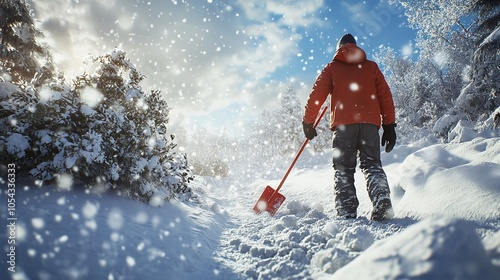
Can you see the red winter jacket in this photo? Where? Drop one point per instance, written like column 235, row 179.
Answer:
column 359, row 92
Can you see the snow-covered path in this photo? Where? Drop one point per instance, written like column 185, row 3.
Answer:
column 447, row 225
column 302, row 241
column 305, row 240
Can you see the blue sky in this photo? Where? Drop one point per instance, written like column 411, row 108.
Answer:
column 219, row 63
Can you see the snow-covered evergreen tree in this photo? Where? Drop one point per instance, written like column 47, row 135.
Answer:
column 104, row 131
column 481, row 96
column 22, row 58
column 290, row 119
column 138, row 151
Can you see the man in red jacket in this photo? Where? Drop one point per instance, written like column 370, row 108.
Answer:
column 361, row 102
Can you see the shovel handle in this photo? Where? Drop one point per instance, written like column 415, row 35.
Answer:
column 300, row 152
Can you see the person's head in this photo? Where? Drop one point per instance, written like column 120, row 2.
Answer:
column 347, row 38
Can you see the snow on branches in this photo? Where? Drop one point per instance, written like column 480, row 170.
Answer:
column 104, row 131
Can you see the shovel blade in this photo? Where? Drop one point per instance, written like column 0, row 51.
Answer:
column 270, row 201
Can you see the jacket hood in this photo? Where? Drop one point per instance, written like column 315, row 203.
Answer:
column 350, row 53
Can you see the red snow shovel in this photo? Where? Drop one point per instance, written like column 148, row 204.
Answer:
column 271, row 199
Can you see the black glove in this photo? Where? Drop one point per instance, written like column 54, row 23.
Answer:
column 389, row 137
column 309, row 130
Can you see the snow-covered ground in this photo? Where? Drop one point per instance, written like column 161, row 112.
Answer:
column 447, row 226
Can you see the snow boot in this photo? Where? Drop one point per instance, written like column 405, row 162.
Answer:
column 348, row 216
column 382, row 209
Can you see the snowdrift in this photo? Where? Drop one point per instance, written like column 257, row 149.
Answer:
column 439, row 248
column 459, row 180
column 447, row 225
column 84, row 235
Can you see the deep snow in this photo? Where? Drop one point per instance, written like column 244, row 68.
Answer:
column 447, row 226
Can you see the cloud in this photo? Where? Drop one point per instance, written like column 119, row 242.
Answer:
column 292, row 13
column 358, row 12
column 371, row 19
column 204, row 56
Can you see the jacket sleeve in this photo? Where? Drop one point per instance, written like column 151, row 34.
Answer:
column 323, row 86
column 385, row 98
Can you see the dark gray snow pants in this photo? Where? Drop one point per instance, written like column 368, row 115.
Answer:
column 349, row 143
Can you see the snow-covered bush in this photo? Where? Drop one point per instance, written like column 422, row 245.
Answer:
column 103, row 131
column 211, row 154
column 210, row 167
column 16, row 108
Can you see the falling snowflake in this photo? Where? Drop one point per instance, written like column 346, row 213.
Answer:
column 91, row 96
column 354, row 87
